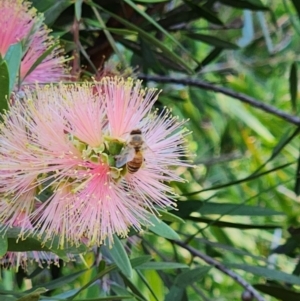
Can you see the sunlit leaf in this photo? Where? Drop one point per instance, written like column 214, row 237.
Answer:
column 242, row 113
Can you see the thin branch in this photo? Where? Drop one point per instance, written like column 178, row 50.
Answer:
column 247, row 286
column 211, row 87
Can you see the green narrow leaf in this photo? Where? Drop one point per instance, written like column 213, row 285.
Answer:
column 265, row 272
column 26, row 245
column 175, row 294
column 110, row 268
column 151, row 39
column 221, row 224
column 293, row 85
column 149, row 59
column 280, row 293
column 42, row 6
column 120, row 257
column 297, row 6
column 3, row 244
column 188, row 277
column 36, row 243
column 236, row 209
column 248, row 4
column 8, row 298
column 151, row 280
column 297, row 180
column 170, row 217
column 13, row 58
column 223, row 247
column 204, row 13
column 78, row 8
column 153, row 265
column 109, row 37
column 150, row 1
column 249, row 178
column 185, row 208
column 135, row 262
column 56, row 8
column 209, row 58
column 284, row 140
column 159, row 27
column 109, row 298
column 119, row 31
column 4, row 86
column 136, row 290
column 211, row 40
column 34, row 296
column 162, row 229
column 119, row 290
column 61, row 281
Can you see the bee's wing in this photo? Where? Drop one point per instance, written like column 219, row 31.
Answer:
column 126, row 155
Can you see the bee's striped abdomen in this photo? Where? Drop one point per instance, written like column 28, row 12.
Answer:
column 134, row 165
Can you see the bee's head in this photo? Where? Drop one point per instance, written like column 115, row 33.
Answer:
column 136, row 132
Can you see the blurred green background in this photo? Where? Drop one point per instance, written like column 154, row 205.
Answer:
column 240, row 205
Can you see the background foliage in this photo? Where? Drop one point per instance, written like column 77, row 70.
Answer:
column 231, row 68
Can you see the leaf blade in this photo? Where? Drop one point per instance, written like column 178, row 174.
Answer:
column 162, row 229
column 293, row 81
column 120, row 258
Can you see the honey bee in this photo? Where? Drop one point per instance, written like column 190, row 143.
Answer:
column 132, row 154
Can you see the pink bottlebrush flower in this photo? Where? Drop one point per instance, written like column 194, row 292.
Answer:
column 71, row 140
column 19, row 22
